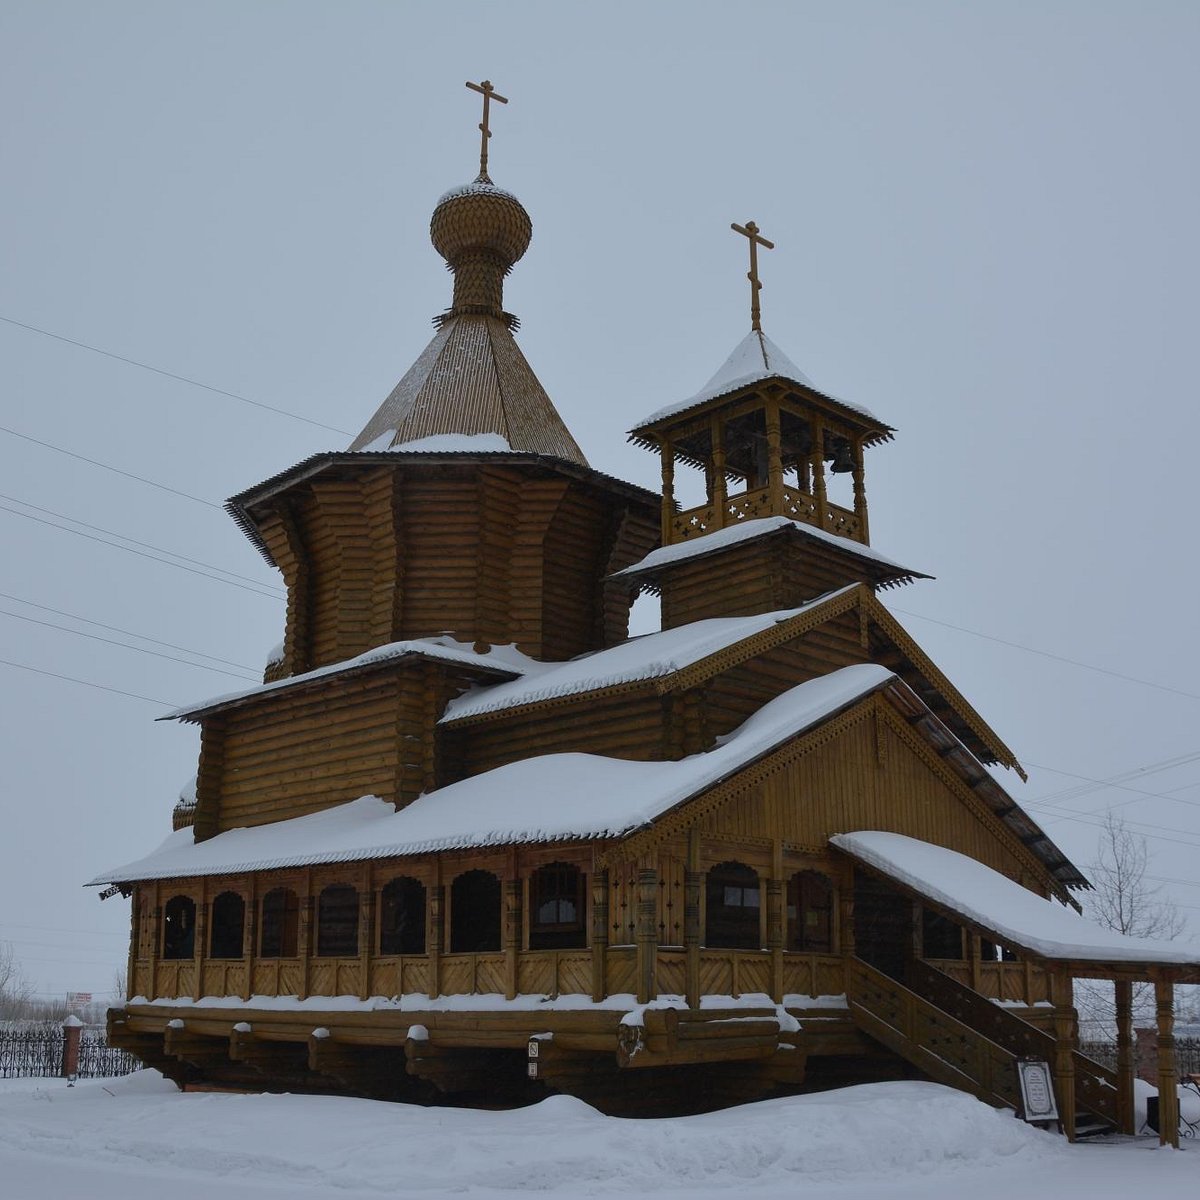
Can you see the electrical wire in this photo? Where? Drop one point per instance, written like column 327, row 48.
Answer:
column 246, row 674
column 87, row 683
column 133, row 362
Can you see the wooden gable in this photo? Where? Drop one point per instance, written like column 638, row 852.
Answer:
column 867, row 768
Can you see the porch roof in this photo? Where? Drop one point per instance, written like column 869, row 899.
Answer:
column 1004, row 910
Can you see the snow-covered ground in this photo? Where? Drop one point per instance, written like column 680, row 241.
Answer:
column 137, row 1138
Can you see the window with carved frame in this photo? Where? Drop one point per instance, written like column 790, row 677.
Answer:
column 558, row 908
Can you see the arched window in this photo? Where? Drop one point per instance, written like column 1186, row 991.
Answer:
column 810, row 913
column 475, row 913
column 228, row 923
column 179, row 928
column 337, row 921
column 402, row 917
column 558, row 908
column 733, row 900
column 280, row 921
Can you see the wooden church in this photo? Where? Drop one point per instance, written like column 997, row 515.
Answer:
column 469, row 841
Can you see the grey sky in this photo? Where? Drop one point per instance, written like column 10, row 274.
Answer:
column 985, row 220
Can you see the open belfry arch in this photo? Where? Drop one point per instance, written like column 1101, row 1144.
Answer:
column 469, row 839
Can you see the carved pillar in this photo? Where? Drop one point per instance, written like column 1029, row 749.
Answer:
column 157, row 944
column 305, row 938
column 693, row 890
column 668, row 492
column 817, row 462
column 366, row 936
column 512, row 934
column 719, row 497
column 775, row 893
column 1123, row 989
column 976, row 962
column 774, row 458
column 860, row 492
column 1168, row 1098
column 250, row 936
column 434, row 933
column 1064, row 1044
column 137, row 910
column 200, row 942
column 647, row 933
column 599, row 934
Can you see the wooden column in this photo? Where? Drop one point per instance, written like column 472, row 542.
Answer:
column 199, row 942
column 775, row 891
column 720, row 496
column 647, row 933
column 774, row 458
column 693, row 891
column 976, row 961
column 137, row 910
column 305, row 932
column 366, row 933
column 860, row 491
column 1168, row 1098
column 1123, row 989
column 599, row 934
column 817, row 462
column 434, row 933
column 250, row 935
column 668, row 492
column 512, row 930
column 157, row 944
column 1064, row 1044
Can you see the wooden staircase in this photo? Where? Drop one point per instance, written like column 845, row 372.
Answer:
column 960, row 1038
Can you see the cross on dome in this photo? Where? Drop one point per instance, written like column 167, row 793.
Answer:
column 750, row 230
column 489, row 94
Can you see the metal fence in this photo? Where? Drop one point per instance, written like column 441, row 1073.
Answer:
column 1187, row 1054
column 37, row 1050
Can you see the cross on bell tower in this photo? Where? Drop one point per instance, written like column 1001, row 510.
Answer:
column 489, row 94
column 750, row 231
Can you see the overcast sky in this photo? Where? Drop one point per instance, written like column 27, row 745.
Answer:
column 985, row 218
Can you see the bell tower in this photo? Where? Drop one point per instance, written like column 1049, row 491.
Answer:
column 767, row 535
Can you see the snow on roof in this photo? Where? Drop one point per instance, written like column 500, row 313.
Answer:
column 442, row 443
column 275, row 654
column 187, row 793
column 554, row 797
column 754, row 359
column 476, row 187
column 651, row 656
column 745, row 531
column 995, row 903
column 505, row 660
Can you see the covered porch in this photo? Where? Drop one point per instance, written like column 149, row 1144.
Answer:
column 958, row 1020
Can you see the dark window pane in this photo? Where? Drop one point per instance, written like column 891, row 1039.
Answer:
column 280, row 922
column 402, row 917
column 732, row 901
column 475, row 913
column 810, row 913
column 228, row 922
column 558, row 908
column 337, row 922
column 179, row 927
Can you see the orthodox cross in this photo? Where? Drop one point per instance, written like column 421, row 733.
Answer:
column 750, row 230
column 489, row 94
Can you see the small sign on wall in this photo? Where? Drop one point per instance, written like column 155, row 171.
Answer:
column 1037, row 1090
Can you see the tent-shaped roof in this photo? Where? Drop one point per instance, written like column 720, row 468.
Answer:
column 471, row 379
column 754, row 359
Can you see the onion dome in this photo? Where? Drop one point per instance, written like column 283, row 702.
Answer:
column 481, row 230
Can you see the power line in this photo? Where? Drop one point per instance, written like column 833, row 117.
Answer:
column 95, row 462
column 87, row 683
column 134, row 541
column 133, row 362
column 257, row 590
column 1074, row 662
column 95, row 637
column 127, row 632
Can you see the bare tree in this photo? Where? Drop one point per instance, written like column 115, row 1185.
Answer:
column 16, row 992
column 1124, row 900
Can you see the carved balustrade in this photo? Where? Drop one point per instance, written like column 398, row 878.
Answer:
column 750, row 505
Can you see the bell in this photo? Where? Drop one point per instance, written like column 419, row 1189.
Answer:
column 842, row 463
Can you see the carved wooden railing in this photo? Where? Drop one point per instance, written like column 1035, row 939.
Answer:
column 945, row 1048
column 747, row 506
column 1095, row 1085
